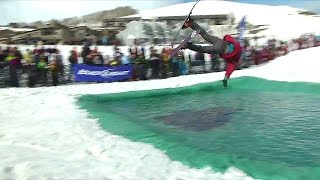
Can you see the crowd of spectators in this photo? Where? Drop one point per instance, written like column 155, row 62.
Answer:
column 37, row 63
column 47, row 66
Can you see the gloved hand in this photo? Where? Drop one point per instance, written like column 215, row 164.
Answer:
column 187, row 23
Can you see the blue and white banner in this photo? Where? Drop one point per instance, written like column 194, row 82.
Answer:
column 87, row 73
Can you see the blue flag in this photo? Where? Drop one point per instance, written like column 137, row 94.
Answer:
column 242, row 29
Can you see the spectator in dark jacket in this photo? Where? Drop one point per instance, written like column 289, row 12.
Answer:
column 86, row 55
column 154, row 63
column 73, row 59
column 13, row 62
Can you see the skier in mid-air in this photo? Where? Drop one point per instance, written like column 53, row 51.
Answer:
column 228, row 48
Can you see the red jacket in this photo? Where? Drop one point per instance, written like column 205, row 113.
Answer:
column 236, row 54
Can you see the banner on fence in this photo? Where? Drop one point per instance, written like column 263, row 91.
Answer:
column 87, row 73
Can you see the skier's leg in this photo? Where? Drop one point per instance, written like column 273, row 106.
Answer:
column 219, row 46
column 202, row 49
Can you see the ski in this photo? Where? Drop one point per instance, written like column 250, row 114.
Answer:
column 183, row 43
column 185, row 20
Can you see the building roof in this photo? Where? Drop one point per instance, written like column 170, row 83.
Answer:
column 15, row 29
column 217, row 7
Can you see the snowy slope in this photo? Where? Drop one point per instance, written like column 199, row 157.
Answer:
column 285, row 22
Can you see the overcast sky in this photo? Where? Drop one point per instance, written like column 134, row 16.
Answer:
column 313, row 5
column 33, row 10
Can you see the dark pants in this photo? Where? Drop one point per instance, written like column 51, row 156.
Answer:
column 142, row 71
column 43, row 77
column 55, row 77
column 218, row 45
column 14, row 81
column 33, row 74
column 71, row 73
column 165, row 69
column 61, row 72
column 175, row 68
column 155, row 66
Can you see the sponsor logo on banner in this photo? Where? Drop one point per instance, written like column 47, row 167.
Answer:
column 104, row 73
column 87, row 73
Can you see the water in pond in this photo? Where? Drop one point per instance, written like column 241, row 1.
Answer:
column 269, row 130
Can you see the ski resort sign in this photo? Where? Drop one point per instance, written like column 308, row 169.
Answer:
column 87, row 73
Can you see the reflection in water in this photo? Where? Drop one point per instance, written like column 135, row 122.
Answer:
column 198, row 120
